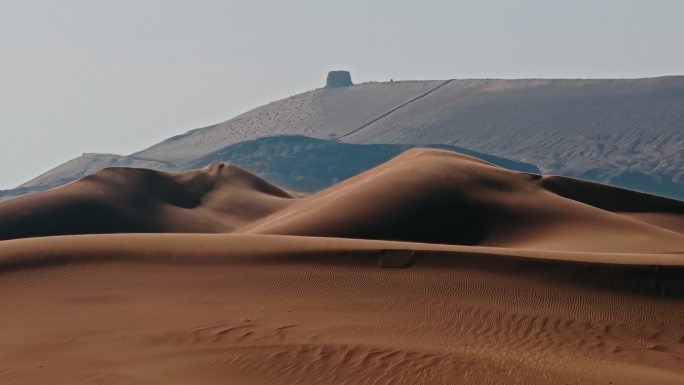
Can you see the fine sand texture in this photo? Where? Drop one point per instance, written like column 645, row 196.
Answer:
column 433, row 268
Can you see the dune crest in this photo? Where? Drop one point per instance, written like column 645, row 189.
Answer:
column 422, row 195
column 217, row 198
column 435, row 196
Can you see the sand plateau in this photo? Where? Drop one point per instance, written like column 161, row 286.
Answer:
column 433, row 268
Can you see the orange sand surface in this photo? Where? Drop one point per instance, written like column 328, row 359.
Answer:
column 434, row 268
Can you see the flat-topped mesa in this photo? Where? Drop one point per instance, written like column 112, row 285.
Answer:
column 338, row 79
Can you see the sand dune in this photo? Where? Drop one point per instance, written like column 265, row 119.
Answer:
column 423, row 195
column 433, row 268
column 249, row 309
column 442, row 197
column 218, row 198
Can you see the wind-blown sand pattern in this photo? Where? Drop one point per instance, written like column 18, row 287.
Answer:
column 434, row 268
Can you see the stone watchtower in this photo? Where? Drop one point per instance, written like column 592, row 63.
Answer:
column 338, row 79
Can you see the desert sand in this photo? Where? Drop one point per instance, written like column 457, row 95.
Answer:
column 433, row 268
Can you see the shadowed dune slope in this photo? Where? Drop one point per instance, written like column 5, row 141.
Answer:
column 423, row 195
column 437, row 196
column 659, row 211
column 217, row 198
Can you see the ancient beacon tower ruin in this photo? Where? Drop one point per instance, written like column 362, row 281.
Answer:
column 338, row 79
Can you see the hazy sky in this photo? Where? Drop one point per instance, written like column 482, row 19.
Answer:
column 119, row 75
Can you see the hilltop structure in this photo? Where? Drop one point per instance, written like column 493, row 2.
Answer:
column 338, row 79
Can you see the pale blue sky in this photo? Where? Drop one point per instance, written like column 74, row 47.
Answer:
column 116, row 76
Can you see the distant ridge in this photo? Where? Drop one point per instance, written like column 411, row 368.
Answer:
column 296, row 162
column 624, row 132
column 386, row 114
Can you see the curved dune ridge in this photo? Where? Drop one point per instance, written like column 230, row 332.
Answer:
column 217, row 198
column 433, row 268
column 430, row 196
column 437, row 196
